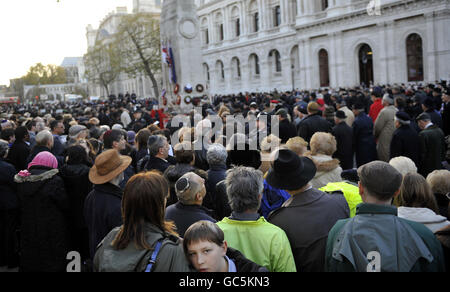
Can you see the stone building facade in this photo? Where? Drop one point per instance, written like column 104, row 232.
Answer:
column 259, row 45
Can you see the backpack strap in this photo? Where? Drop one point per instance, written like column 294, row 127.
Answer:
column 152, row 259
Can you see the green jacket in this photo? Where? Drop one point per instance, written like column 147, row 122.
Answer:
column 170, row 258
column 261, row 242
column 376, row 233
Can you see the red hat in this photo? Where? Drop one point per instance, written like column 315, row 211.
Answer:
column 274, row 101
column 321, row 102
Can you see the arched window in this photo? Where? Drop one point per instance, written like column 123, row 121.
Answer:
column 254, row 60
column 414, row 55
column 221, row 70
column 206, row 71
column 276, row 60
column 323, row 68
column 277, row 16
column 365, row 64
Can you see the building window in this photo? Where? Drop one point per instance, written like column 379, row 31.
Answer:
column 277, row 20
column 324, row 69
column 277, row 60
column 324, row 5
column 256, row 21
column 414, row 55
column 238, row 27
column 221, row 35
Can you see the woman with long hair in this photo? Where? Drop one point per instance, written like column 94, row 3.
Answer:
column 417, row 203
column 145, row 235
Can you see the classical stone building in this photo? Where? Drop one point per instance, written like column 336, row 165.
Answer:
column 259, row 45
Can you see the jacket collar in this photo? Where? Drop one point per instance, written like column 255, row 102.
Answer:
column 366, row 208
column 218, row 167
column 109, row 188
column 305, row 198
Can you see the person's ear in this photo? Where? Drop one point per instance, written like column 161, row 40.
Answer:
column 361, row 189
column 396, row 194
column 224, row 247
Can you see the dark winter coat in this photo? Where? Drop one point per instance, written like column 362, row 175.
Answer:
column 307, row 218
column 311, row 125
column 446, row 119
column 44, row 238
column 38, row 149
column 58, row 147
column 344, row 137
column 435, row 118
column 244, row 265
column 102, row 212
column 405, row 142
column 363, row 140
column 216, row 174
column 185, row 215
column 432, row 150
column 78, row 186
column 157, row 164
column 18, row 155
column 222, row 207
column 8, row 196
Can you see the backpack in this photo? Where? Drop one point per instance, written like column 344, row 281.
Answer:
column 350, row 192
column 272, row 199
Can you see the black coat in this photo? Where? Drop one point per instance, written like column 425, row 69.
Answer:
column 432, row 150
column 157, row 164
column 405, row 142
column 185, row 215
column 8, row 195
column 446, row 119
column 58, row 148
column 344, row 135
column 287, row 131
column 44, row 237
column 78, row 186
column 18, row 155
column 364, row 140
column 216, row 174
column 102, row 212
column 244, row 265
column 311, row 125
column 38, row 149
column 435, row 118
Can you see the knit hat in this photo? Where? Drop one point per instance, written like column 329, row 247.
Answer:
column 44, row 159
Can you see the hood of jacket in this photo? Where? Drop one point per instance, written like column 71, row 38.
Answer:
column 32, row 180
column 425, row 216
column 325, row 163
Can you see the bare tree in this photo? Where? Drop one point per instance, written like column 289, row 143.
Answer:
column 138, row 41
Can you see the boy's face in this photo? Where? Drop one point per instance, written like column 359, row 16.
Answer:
column 207, row 256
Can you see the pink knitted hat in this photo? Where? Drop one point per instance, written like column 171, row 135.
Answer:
column 44, row 159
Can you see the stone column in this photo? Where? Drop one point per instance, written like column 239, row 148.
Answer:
column 265, row 74
column 382, row 54
column 430, row 49
column 245, row 75
column 392, row 56
column 286, row 72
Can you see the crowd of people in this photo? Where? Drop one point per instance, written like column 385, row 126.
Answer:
column 350, row 179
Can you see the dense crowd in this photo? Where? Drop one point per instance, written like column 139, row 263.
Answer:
column 350, row 179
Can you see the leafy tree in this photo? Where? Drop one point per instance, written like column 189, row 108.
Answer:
column 102, row 64
column 138, row 41
column 40, row 74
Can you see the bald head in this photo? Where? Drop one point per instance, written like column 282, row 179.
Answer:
column 190, row 189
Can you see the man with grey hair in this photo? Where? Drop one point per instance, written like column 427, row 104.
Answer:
column 44, row 142
column 376, row 239
column 405, row 140
column 217, row 200
column 159, row 151
column 384, row 128
column 247, row 231
column 191, row 191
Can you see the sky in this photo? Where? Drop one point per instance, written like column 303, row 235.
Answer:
column 46, row 31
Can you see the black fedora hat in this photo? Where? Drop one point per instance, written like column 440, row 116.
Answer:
column 290, row 172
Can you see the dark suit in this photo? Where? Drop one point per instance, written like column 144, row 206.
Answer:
column 344, row 137
column 363, row 140
column 186, row 215
column 158, row 164
column 435, row 118
column 18, row 155
column 432, row 150
column 446, row 119
column 405, row 142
